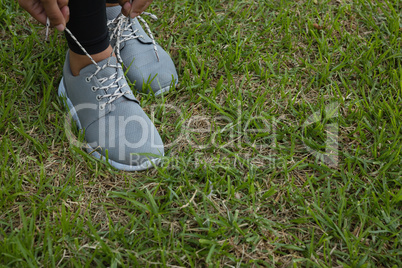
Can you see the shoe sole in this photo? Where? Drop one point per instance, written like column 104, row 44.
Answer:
column 146, row 165
column 163, row 90
column 160, row 91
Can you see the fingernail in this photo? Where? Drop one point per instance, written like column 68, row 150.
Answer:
column 60, row 27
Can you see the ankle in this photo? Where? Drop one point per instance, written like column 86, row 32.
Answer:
column 78, row 62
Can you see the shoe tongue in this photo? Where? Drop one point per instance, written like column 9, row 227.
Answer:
column 113, row 12
column 109, row 70
column 105, row 72
column 136, row 30
column 143, row 37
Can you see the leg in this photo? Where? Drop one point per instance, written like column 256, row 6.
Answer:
column 88, row 25
column 98, row 96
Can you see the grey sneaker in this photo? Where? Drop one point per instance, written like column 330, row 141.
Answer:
column 143, row 59
column 116, row 127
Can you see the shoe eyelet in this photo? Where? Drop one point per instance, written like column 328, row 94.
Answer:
column 93, row 89
column 98, row 97
column 88, row 79
column 102, row 106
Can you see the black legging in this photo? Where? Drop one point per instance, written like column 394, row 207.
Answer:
column 88, row 25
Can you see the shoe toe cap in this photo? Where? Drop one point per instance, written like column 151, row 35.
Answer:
column 146, row 69
column 130, row 141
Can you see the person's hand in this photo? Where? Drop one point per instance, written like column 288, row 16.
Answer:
column 135, row 8
column 56, row 10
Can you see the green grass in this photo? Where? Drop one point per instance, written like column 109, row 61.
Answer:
column 264, row 87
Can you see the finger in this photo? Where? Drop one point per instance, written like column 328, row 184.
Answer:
column 65, row 10
column 139, row 6
column 66, row 13
column 126, row 9
column 35, row 9
column 62, row 3
column 54, row 14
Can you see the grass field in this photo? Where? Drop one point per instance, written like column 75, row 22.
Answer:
column 283, row 144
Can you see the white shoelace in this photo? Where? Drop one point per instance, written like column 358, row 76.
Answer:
column 121, row 24
column 115, row 79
